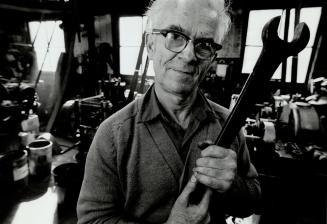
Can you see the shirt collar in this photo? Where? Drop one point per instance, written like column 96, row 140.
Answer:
column 150, row 108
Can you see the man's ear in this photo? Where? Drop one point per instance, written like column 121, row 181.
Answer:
column 149, row 42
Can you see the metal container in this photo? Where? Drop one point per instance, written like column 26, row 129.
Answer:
column 68, row 179
column 13, row 170
column 40, row 158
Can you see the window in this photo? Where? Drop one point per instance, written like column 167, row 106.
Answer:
column 48, row 41
column 131, row 29
column 311, row 16
column 253, row 45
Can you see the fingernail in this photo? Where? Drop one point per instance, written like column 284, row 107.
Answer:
column 193, row 179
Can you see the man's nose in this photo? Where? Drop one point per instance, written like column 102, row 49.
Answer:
column 188, row 53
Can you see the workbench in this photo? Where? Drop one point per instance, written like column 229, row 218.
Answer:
column 294, row 190
column 41, row 201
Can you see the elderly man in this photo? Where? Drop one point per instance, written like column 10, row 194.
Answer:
column 147, row 159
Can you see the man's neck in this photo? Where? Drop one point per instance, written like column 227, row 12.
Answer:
column 177, row 106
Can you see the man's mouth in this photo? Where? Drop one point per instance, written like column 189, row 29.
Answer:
column 185, row 71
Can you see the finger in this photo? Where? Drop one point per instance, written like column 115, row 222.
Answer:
column 215, row 173
column 217, row 152
column 218, row 185
column 188, row 189
column 204, row 204
column 208, row 162
column 226, row 163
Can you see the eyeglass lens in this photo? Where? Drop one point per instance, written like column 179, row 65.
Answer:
column 203, row 50
column 177, row 42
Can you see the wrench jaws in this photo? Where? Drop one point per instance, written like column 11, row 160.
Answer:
column 283, row 48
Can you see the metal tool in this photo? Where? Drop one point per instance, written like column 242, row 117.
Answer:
column 274, row 51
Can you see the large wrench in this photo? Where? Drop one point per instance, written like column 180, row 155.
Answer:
column 274, row 51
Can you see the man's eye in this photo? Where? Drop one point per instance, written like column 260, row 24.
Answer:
column 174, row 36
column 204, row 46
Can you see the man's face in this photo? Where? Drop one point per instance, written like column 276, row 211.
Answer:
column 180, row 73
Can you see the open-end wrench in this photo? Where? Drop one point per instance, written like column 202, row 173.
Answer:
column 274, row 51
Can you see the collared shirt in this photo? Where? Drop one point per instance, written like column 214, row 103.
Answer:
column 180, row 137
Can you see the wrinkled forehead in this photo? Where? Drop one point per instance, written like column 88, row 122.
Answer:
column 191, row 15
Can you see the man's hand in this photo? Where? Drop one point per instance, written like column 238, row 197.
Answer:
column 185, row 213
column 216, row 168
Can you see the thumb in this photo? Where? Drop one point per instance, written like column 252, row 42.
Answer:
column 188, row 189
column 206, row 199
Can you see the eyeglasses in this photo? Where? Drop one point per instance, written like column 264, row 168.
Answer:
column 176, row 41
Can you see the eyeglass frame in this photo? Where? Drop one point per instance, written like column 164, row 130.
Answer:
column 216, row 47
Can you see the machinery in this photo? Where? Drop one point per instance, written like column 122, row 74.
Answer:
column 296, row 125
column 79, row 118
column 17, row 101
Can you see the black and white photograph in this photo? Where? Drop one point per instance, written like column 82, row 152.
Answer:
column 163, row 112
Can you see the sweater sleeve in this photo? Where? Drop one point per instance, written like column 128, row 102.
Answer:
column 101, row 198
column 243, row 198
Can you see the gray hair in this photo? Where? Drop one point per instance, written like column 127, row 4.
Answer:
column 220, row 8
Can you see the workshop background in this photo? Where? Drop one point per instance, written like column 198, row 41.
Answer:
column 66, row 65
